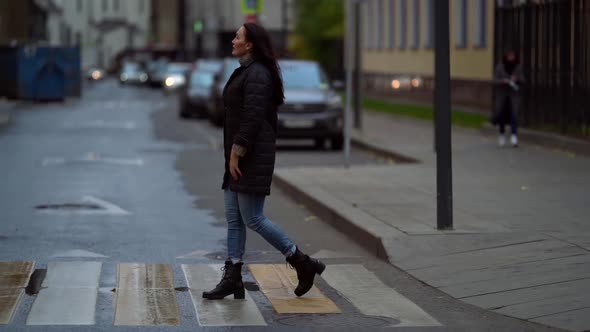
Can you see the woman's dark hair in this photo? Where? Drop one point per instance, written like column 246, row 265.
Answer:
column 263, row 52
column 510, row 65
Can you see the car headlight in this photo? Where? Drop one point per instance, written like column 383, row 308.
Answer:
column 123, row 77
column 96, row 74
column 171, row 81
column 143, row 77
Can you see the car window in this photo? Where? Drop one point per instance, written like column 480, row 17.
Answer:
column 210, row 65
column 131, row 66
column 174, row 69
column 201, row 79
column 229, row 69
column 303, row 76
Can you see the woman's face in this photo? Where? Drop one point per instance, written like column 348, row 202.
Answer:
column 240, row 46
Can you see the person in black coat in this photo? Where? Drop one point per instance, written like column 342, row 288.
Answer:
column 508, row 79
column 251, row 98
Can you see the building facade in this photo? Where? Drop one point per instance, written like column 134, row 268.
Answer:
column 210, row 25
column 102, row 28
column 397, row 40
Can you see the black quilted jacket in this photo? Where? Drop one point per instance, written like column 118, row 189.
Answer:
column 250, row 120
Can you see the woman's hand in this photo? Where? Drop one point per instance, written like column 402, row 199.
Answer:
column 233, row 166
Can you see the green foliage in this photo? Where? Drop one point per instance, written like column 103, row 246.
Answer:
column 319, row 28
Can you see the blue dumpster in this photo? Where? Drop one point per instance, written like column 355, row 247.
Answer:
column 40, row 73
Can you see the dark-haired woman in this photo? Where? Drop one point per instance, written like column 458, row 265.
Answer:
column 508, row 78
column 251, row 97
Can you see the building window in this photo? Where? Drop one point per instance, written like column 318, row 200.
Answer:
column 116, row 5
column 416, row 25
column 391, row 25
column 461, row 23
column 480, row 24
column 379, row 23
column 79, row 6
column 403, row 13
column 368, row 26
column 429, row 37
column 105, row 5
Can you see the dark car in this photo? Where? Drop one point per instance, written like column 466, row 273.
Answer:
column 132, row 73
column 196, row 94
column 215, row 108
column 312, row 108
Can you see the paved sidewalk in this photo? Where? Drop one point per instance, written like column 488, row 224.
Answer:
column 521, row 244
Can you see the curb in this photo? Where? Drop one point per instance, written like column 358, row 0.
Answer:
column 381, row 151
column 547, row 140
column 362, row 236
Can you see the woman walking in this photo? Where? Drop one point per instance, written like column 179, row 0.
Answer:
column 508, row 78
column 251, row 98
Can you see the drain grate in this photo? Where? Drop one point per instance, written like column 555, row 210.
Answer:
column 69, row 207
column 36, row 281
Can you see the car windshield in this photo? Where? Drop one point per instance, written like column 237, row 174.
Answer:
column 131, row 67
column 303, row 75
column 201, row 79
column 210, row 65
column 177, row 69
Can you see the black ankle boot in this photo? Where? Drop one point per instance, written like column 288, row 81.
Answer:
column 306, row 268
column 231, row 283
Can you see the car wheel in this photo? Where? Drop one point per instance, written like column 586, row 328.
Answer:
column 337, row 142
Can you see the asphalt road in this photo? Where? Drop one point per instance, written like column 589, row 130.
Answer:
column 116, row 177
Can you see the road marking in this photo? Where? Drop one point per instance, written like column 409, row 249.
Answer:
column 226, row 312
column 102, row 124
column 93, row 158
column 372, row 297
column 146, row 295
column 278, row 283
column 79, row 253
column 103, row 208
column 69, row 295
column 14, row 277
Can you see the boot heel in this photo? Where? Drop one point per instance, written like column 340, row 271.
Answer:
column 239, row 294
column 321, row 267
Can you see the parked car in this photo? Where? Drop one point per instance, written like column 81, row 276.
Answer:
column 215, row 108
column 195, row 96
column 312, row 108
column 175, row 76
column 156, row 71
column 212, row 65
column 132, row 73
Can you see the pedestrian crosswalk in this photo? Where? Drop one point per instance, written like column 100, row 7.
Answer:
column 146, row 294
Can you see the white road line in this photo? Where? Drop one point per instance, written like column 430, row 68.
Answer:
column 69, row 296
column 78, row 253
column 372, row 297
column 226, row 312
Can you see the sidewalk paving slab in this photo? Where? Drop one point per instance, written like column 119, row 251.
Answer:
column 520, row 244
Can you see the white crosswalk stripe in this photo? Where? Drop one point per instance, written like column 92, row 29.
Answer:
column 69, row 295
column 70, row 290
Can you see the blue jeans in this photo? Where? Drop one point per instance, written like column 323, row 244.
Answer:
column 243, row 208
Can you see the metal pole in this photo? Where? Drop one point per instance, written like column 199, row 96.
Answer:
column 442, row 106
column 348, row 59
column 357, row 66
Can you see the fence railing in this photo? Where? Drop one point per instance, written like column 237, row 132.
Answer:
column 552, row 38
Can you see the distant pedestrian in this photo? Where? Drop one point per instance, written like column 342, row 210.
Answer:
column 508, row 79
column 251, row 97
